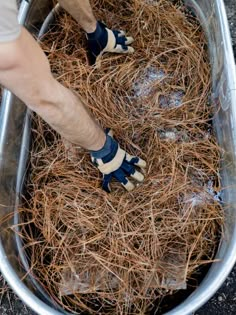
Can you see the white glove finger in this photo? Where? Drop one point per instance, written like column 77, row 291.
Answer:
column 129, row 40
column 121, row 34
column 140, row 163
column 138, row 176
column 120, row 50
column 128, row 186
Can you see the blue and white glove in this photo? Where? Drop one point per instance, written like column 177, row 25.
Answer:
column 106, row 40
column 113, row 162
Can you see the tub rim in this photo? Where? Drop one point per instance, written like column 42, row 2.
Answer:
column 194, row 301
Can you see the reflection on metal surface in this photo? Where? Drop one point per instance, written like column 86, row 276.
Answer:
column 14, row 141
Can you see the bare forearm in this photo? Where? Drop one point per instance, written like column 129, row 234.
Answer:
column 82, row 12
column 29, row 77
column 71, row 118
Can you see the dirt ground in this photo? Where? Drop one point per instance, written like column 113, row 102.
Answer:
column 224, row 301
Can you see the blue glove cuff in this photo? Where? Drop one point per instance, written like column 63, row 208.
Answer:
column 98, row 33
column 105, row 150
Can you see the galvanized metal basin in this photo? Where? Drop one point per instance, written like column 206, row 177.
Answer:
column 14, row 145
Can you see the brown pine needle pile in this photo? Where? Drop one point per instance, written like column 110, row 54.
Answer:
column 117, row 253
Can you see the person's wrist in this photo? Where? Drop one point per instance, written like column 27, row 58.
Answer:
column 90, row 26
column 107, row 149
column 97, row 33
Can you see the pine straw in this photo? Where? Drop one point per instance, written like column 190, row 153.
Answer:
column 128, row 249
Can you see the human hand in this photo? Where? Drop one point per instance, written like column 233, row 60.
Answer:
column 106, row 40
column 114, row 162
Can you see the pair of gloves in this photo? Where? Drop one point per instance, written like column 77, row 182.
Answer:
column 111, row 160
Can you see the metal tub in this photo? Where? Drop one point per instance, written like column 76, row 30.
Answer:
column 14, row 145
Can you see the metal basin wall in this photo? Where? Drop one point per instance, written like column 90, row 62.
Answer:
column 14, row 145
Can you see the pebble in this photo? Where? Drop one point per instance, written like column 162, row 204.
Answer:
column 220, row 298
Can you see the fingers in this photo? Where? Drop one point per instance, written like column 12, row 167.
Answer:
column 141, row 163
column 122, row 43
column 123, row 49
column 138, row 176
column 121, row 34
column 128, row 186
column 129, row 40
column 135, row 161
column 125, row 182
column 130, row 170
column 121, row 177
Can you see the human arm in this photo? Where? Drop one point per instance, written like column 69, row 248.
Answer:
column 24, row 69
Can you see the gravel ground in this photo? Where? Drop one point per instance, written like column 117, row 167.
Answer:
column 224, row 301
